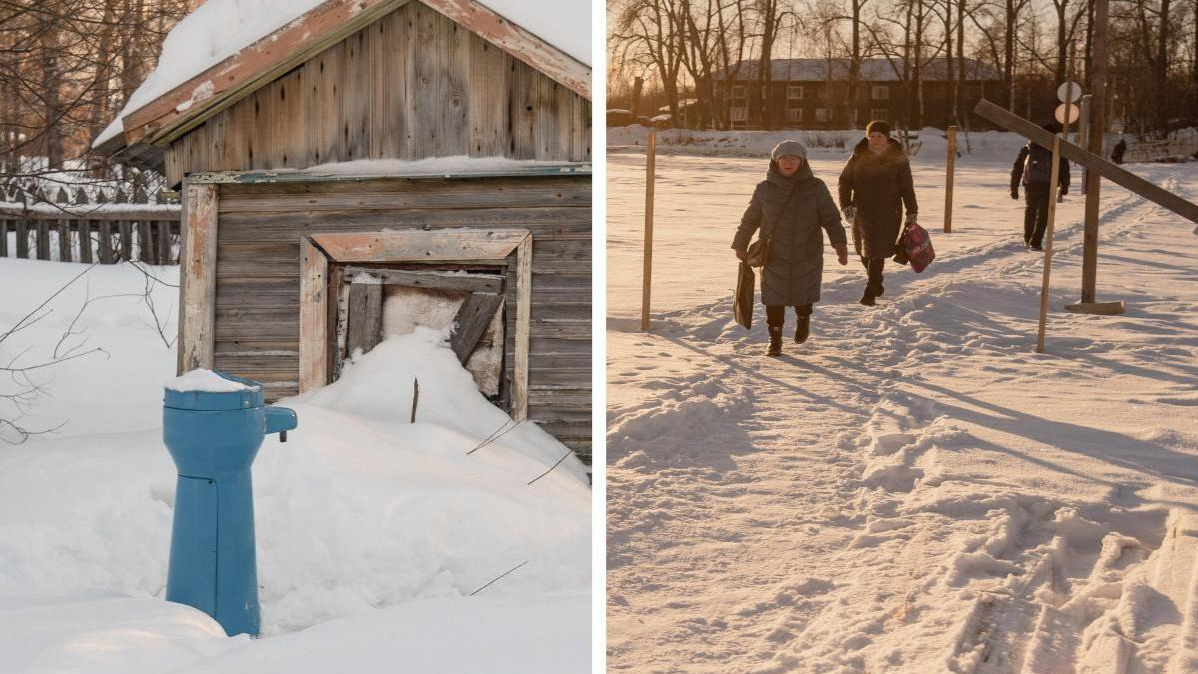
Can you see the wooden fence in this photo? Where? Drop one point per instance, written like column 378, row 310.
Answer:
column 106, row 230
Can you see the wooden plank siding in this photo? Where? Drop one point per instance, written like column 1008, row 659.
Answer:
column 258, row 266
column 412, row 85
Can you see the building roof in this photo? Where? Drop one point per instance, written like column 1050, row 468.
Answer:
column 872, row 70
column 227, row 49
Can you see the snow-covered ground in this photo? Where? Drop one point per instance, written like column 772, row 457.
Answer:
column 382, row 544
column 914, row 489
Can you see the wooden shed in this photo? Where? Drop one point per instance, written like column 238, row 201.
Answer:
column 452, row 170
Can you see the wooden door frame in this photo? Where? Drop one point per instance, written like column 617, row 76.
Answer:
column 319, row 251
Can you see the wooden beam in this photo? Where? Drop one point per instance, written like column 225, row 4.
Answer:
column 471, row 322
column 523, row 329
column 1096, row 164
column 532, row 50
column 314, row 312
column 365, row 317
column 197, row 277
column 434, row 246
column 475, row 283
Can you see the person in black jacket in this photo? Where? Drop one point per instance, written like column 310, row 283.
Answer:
column 874, row 188
column 1117, row 152
column 1033, row 167
column 793, row 209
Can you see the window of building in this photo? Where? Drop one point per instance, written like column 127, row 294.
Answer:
column 738, row 91
column 821, row 114
column 881, row 93
column 794, row 115
column 879, row 114
column 740, row 114
column 794, row 92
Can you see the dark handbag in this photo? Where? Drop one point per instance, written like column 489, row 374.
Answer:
column 900, row 252
column 758, row 254
column 918, row 246
column 742, row 303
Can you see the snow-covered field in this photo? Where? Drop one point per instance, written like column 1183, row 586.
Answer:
column 382, row 545
column 913, row 490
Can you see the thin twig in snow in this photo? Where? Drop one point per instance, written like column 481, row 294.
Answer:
column 514, row 568
column 39, row 307
column 499, row 433
column 559, row 462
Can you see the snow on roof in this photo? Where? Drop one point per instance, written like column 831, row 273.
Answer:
column 219, row 29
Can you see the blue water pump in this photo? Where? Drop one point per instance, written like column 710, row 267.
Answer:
column 213, row 438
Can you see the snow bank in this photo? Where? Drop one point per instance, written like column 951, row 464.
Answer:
column 359, row 511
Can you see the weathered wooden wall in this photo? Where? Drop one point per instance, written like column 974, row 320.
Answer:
column 412, row 85
column 258, row 268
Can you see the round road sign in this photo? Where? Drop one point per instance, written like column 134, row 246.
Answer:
column 1073, row 111
column 1069, row 92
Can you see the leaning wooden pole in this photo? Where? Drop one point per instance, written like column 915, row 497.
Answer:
column 948, row 185
column 1053, row 190
column 647, row 269
column 1115, row 174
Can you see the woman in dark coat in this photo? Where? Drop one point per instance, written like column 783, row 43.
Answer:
column 791, row 205
column 874, row 187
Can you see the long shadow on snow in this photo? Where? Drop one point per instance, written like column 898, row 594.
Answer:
column 1107, row 446
column 739, row 365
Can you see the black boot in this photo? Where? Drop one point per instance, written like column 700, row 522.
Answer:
column 803, row 329
column 868, row 299
column 775, row 349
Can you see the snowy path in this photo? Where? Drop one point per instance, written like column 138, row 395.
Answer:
column 913, row 490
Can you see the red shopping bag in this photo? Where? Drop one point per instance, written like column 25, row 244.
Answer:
column 919, row 247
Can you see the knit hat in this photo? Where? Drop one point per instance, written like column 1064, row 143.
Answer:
column 788, row 147
column 878, row 126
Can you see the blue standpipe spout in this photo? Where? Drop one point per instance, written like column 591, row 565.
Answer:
column 214, row 438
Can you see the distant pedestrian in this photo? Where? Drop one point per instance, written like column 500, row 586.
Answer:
column 1117, row 153
column 1033, row 167
column 875, row 186
column 791, row 206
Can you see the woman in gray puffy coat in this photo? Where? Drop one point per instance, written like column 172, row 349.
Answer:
column 791, row 206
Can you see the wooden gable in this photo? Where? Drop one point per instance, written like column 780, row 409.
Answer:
column 413, row 84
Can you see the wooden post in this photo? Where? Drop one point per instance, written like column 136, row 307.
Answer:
column 522, row 357
column 107, row 255
column 43, row 239
column 145, row 251
column 1098, row 65
column 647, row 268
column 948, row 187
column 3, row 237
column 23, row 236
column 1053, row 189
column 197, row 278
column 314, row 312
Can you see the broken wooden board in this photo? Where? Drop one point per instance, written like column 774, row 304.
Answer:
column 365, row 317
column 471, row 322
